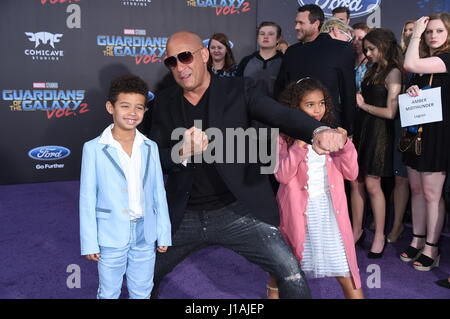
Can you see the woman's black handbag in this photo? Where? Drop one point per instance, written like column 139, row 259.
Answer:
column 411, row 143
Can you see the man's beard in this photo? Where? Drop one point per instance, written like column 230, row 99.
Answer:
column 304, row 36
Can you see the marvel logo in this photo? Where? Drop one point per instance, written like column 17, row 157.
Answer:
column 45, row 85
column 134, row 32
column 38, row 85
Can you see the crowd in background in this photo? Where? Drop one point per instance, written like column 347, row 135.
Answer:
column 364, row 70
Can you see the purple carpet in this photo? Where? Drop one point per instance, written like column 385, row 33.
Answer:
column 39, row 242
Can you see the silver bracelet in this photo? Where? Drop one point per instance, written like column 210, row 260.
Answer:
column 319, row 129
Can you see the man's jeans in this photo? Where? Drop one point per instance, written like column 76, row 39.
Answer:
column 259, row 242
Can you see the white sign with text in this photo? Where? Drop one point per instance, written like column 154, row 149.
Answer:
column 424, row 108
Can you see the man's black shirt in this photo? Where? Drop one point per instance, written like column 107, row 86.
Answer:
column 208, row 192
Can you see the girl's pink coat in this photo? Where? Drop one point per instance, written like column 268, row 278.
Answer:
column 292, row 196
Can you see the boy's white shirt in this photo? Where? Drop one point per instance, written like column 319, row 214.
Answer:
column 131, row 167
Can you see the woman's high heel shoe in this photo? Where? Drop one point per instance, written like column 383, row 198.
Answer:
column 427, row 263
column 411, row 252
column 392, row 238
column 373, row 255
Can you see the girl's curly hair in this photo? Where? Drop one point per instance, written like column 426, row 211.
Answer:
column 295, row 92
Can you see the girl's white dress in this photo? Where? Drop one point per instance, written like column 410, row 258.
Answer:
column 324, row 253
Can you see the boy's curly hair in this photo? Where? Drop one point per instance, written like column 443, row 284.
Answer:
column 295, row 92
column 128, row 83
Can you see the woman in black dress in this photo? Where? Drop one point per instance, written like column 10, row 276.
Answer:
column 374, row 130
column 428, row 55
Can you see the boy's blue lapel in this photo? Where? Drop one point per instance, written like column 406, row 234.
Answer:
column 111, row 154
column 145, row 161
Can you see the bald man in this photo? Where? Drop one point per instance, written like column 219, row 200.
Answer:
column 223, row 203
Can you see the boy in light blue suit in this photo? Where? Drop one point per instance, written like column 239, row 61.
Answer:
column 123, row 207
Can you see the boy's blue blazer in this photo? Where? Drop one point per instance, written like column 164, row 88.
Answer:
column 104, row 216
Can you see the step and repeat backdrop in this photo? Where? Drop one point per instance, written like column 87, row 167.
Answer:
column 57, row 60
column 58, row 57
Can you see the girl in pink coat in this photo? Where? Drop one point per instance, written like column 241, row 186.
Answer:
column 311, row 196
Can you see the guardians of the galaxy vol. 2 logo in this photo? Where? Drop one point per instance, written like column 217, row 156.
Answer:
column 134, row 43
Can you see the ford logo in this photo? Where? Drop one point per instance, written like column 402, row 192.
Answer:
column 357, row 8
column 206, row 42
column 150, row 96
column 49, row 153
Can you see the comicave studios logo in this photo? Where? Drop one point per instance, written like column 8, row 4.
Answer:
column 357, row 8
column 44, row 42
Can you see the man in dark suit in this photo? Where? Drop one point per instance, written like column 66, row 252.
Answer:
column 323, row 58
column 230, row 203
